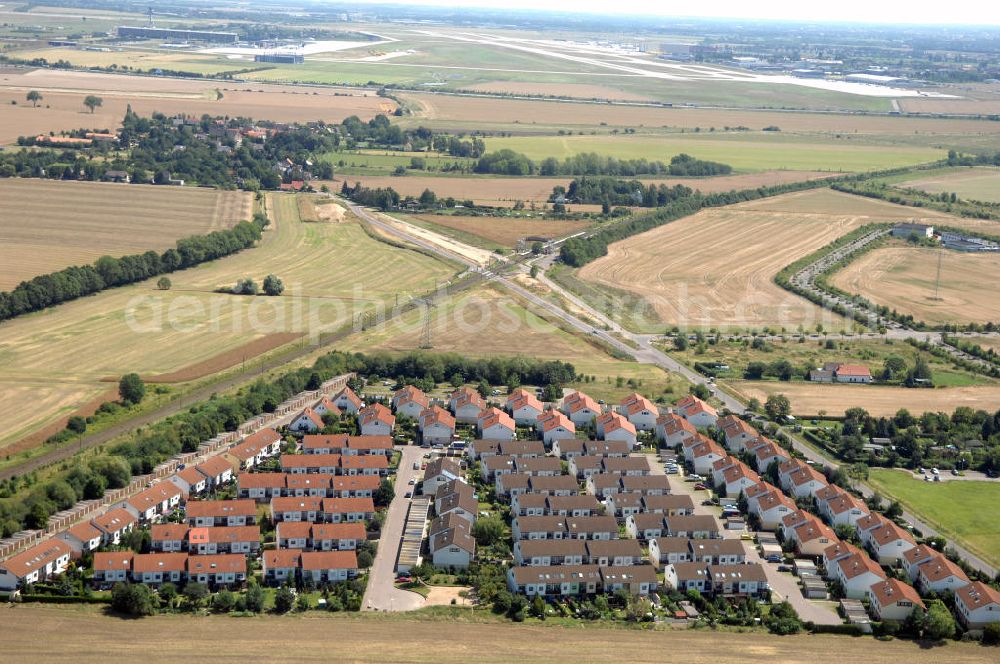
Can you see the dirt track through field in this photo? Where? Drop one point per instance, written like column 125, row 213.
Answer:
column 87, row 636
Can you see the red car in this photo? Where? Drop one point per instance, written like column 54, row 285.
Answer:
column 701, row 486
column 403, row 579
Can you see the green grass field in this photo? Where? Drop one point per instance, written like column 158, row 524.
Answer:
column 962, row 511
column 384, row 162
column 744, row 152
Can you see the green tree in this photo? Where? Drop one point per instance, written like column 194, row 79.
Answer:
column 167, row 594
column 991, row 634
column 777, row 406
column 488, row 530
column 753, row 405
column 302, row 603
column 245, row 287
column 163, row 283
column 273, row 286
column 484, row 389
column 253, row 600
column 538, row 607
column 76, row 424
column 34, row 96
column 365, row 560
column 195, row 593
column 92, row 102
column 132, row 599
column 893, row 367
column 681, row 342
column 428, row 198
column 284, row 599
column 533, row 273
column 940, row 624
column 224, row 601
column 131, row 389
column 384, row 493
column 537, row 247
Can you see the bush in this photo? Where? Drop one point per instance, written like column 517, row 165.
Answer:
column 284, row 599
column 132, row 599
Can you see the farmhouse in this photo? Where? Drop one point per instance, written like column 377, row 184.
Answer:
column 837, row 372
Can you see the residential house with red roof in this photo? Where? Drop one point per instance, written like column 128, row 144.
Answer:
column 494, row 424
column 977, row 605
column 696, row 411
column 674, row 430
column 640, row 412
column 893, row 600
column 376, row 420
column 308, row 421
column 35, row 564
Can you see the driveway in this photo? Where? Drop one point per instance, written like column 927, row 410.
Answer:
column 382, row 594
column 784, row 585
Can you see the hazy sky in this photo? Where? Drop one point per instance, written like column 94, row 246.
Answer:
column 975, row 12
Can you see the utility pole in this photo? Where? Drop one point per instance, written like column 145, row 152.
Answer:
column 426, row 341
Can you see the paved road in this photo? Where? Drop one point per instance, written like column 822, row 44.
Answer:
column 783, row 585
column 381, row 593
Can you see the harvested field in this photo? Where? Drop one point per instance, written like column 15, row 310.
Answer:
column 504, row 192
column 487, row 323
column 578, row 90
column 986, row 342
column 330, row 271
column 716, row 268
column 980, row 184
column 809, row 399
column 472, row 110
column 905, row 279
column 223, row 361
column 88, row 636
column 503, row 231
column 71, row 223
column 953, row 106
column 63, row 91
column 34, row 410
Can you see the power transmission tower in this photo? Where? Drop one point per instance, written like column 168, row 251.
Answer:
column 426, row 341
column 937, row 281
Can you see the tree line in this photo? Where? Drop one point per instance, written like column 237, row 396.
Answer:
column 70, row 283
column 509, row 162
column 605, row 190
column 28, row 503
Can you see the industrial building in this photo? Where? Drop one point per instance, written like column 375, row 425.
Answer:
column 130, row 32
column 280, row 58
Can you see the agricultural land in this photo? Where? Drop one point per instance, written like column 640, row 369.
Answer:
column 715, row 269
column 978, row 184
column 57, row 359
column 47, row 225
column 361, row 638
column 906, row 279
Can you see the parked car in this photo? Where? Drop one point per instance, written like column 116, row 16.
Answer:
column 416, row 465
column 701, row 486
column 954, row 471
column 935, row 471
column 773, row 558
column 408, row 494
column 412, row 482
column 784, row 568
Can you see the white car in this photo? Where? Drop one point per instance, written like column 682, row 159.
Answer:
column 935, row 471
